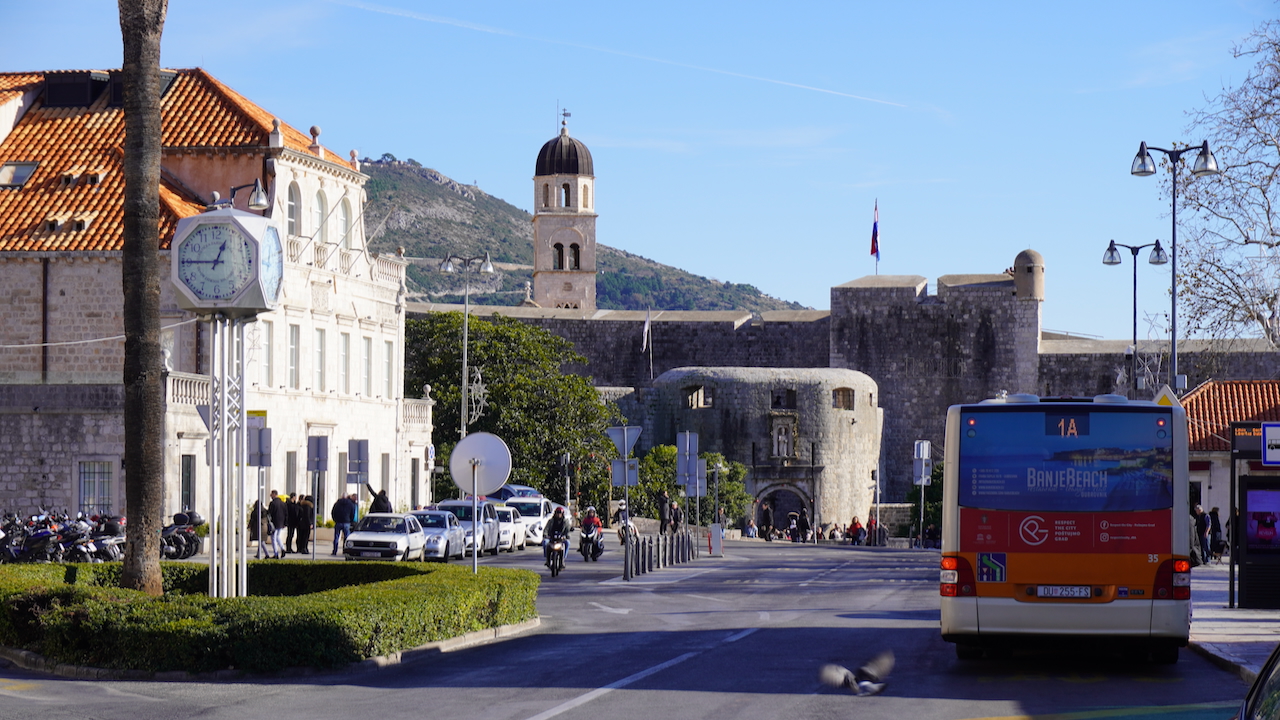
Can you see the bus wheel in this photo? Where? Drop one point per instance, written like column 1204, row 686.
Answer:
column 968, row 652
column 1166, row 654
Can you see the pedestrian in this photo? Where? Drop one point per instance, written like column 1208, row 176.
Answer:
column 932, row 537
column 677, row 517
column 278, row 517
column 766, row 521
column 793, row 526
column 1217, row 544
column 872, row 537
column 856, row 533
column 291, row 506
column 1203, row 527
column 306, row 521
column 802, row 525
column 664, row 512
column 255, row 522
column 381, row 503
column 750, row 530
column 343, row 514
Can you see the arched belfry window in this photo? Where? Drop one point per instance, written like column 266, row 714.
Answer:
column 320, row 213
column 567, row 196
column 586, row 197
column 557, row 256
column 575, row 257
column 546, row 195
column 344, row 223
column 292, row 208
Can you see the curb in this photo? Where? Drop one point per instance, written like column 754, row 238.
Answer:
column 28, row 660
column 1225, row 660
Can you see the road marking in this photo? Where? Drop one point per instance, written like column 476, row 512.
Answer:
column 616, row 611
column 588, row 697
column 705, row 597
column 619, row 581
column 739, row 635
column 764, row 615
column 1148, row 711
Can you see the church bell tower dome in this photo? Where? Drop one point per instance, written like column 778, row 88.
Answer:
column 564, row 225
column 564, row 155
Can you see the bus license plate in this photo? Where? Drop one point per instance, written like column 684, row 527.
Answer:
column 1063, row 591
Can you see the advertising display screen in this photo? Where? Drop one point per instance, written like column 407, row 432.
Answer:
column 1262, row 513
column 1066, row 459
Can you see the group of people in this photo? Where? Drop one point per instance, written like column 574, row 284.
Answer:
column 670, row 516
column 287, row 524
column 800, row 529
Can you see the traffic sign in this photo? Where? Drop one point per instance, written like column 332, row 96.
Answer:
column 686, row 457
column 923, row 471
column 1270, row 443
column 626, row 472
column 480, row 464
column 624, row 437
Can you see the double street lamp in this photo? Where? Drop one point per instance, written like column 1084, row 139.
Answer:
column 1112, row 257
column 457, row 263
column 1143, row 166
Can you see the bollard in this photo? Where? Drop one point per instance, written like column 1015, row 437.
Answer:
column 626, row 559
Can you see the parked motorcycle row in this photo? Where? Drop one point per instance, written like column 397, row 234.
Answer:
column 51, row 537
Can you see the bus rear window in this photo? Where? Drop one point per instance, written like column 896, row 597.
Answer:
column 1056, row 460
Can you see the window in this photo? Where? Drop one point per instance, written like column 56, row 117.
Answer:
column 268, row 354
column 344, row 362
column 565, row 191
column 188, row 492
column 319, row 384
column 366, row 367
column 389, row 368
column 290, row 472
column 15, row 174
column 842, row 398
column 585, row 196
column 698, row 396
column 295, row 340
column 95, row 487
column 557, row 256
column 344, row 223
column 575, row 257
column 546, row 195
column 414, row 496
column 318, row 215
column 785, row 399
column 292, row 209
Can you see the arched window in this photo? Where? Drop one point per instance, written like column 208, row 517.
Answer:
column 344, row 223
column 546, row 195
column 557, row 257
column 586, row 197
column 575, row 257
column 318, row 215
column 566, row 193
column 292, row 208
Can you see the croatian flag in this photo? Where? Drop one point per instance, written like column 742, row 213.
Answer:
column 875, row 233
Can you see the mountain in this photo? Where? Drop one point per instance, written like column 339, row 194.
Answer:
column 430, row 214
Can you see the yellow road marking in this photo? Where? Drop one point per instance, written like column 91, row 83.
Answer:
column 17, row 685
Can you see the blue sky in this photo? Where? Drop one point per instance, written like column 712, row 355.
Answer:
column 748, row 141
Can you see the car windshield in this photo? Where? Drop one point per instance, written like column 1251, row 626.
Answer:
column 433, row 521
column 527, row 508
column 462, row 512
column 505, row 516
column 373, row 523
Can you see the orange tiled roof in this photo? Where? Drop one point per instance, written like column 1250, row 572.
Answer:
column 1212, row 407
column 196, row 111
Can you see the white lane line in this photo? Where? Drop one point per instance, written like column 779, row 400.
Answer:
column 706, row 597
column 667, row 581
column 739, row 635
column 764, row 615
column 616, row 611
column 588, row 697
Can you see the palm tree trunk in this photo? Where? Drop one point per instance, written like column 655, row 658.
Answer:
column 141, row 24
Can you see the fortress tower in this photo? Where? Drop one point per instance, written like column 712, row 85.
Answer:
column 564, row 225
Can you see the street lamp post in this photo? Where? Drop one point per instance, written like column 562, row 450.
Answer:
column 1112, row 257
column 1143, row 166
column 448, row 265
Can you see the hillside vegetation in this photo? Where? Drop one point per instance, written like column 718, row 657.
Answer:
column 430, row 214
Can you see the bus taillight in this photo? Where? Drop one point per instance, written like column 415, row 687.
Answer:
column 1173, row 580
column 956, row 578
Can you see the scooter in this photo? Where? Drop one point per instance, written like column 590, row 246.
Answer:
column 556, row 546
column 591, row 544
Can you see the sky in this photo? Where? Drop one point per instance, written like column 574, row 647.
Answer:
column 749, row 141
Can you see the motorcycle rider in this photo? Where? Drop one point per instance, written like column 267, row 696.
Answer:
column 556, row 526
column 590, row 524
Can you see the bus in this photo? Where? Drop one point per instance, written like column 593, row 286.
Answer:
column 1066, row 520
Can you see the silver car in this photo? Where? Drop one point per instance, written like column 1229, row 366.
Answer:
column 445, row 536
column 487, row 527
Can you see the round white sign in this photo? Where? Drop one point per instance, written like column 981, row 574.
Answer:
column 484, row 457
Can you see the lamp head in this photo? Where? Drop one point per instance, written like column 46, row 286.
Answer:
column 447, row 265
column 1112, row 255
column 486, row 267
column 258, row 198
column 1142, row 163
column 1206, row 163
column 1158, row 255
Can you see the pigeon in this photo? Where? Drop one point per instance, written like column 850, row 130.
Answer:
column 867, row 680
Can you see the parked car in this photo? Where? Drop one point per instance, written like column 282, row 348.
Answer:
column 487, row 527
column 506, row 492
column 386, row 536
column 445, row 536
column 511, row 536
column 534, row 513
column 1263, row 698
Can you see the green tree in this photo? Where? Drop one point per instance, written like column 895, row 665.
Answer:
column 658, row 473
column 539, row 411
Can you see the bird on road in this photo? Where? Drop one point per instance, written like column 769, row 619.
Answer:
column 869, row 679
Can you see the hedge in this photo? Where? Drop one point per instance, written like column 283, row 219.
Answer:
column 300, row 614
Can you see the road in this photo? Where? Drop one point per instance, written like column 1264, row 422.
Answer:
column 736, row 637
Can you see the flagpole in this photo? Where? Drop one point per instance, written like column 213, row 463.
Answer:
column 875, row 235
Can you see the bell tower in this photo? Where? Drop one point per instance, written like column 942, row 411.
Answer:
column 564, row 225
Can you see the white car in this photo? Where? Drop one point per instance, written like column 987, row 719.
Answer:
column 511, row 536
column 445, row 536
column 386, row 536
column 488, row 526
column 535, row 512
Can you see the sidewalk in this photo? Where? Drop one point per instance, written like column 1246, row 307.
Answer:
column 1232, row 638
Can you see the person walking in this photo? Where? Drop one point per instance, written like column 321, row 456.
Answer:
column 381, row 503
column 857, row 533
column 278, row 517
column 291, row 506
column 306, row 521
column 803, row 528
column 255, row 523
column 872, row 537
column 1217, row 544
column 1203, row 527
column 664, row 512
column 766, row 521
column 343, row 514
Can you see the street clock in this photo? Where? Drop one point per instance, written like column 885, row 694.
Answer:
column 227, row 261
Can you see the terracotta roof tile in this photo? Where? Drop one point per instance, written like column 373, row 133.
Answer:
column 197, row 111
column 1212, row 407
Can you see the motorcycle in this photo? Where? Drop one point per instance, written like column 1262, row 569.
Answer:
column 108, row 536
column 39, row 540
column 179, row 540
column 591, row 544
column 556, row 545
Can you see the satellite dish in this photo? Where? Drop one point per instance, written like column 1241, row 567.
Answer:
column 491, row 460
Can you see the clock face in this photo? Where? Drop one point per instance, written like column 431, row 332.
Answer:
column 216, row 261
column 272, row 266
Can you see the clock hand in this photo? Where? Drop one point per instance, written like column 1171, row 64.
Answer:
column 217, row 260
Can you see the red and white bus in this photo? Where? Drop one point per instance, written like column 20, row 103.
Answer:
column 1066, row 519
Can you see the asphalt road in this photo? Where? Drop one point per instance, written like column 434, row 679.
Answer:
column 736, row 637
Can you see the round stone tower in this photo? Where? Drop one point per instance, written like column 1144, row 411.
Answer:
column 564, row 225
column 1028, row 275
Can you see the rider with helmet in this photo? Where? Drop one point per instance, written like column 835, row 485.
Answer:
column 555, row 526
column 591, row 521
